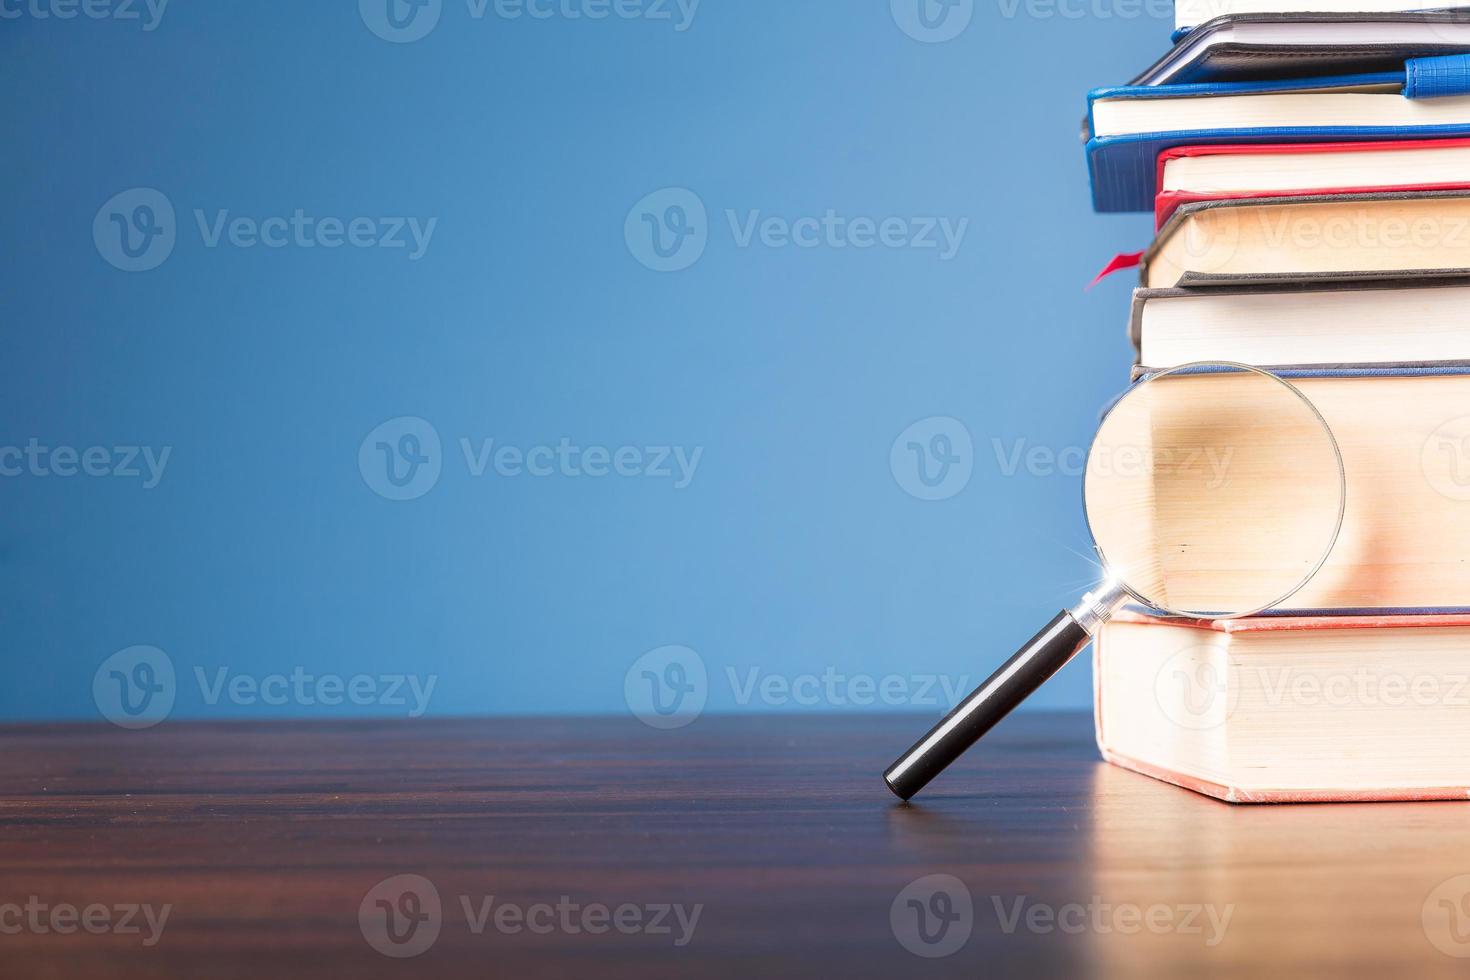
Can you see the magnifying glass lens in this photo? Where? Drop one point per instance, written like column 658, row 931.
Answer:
column 1214, row 492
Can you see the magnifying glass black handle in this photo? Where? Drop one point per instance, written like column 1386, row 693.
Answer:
column 1033, row 665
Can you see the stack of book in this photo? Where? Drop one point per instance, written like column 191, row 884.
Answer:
column 1309, row 174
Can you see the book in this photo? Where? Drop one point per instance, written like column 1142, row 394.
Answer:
column 1403, row 433
column 1190, row 14
column 1208, row 173
column 1309, row 172
column 1291, row 239
column 1362, row 102
column 1289, row 710
column 1244, row 46
column 1319, row 325
column 1128, row 127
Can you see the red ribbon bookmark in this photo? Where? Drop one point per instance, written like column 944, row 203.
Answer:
column 1123, row 260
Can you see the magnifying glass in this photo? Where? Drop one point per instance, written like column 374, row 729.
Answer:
column 1213, row 490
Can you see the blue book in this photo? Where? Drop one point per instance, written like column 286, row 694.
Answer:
column 1129, row 126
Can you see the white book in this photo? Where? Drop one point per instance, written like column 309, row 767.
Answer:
column 1225, row 172
column 1192, row 13
column 1401, row 322
column 1290, row 710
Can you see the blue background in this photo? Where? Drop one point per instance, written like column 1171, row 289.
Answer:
column 528, row 320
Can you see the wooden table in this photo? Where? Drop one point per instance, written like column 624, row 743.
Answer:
column 574, row 845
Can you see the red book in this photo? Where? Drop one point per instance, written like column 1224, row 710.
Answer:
column 1208, row 173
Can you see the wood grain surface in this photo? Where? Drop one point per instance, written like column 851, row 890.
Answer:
column 269, row 843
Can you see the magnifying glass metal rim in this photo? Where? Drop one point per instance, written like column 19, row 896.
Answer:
column 1072, row 629
column 1115, row 578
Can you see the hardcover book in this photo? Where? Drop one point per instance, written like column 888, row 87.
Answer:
column 1323, row 325
column 1290, row 710
column 1189, row 174
column 1191, row 14
column 1404, row 437
column 1129, row 127
column 1301, row 239
column 1258, row 45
